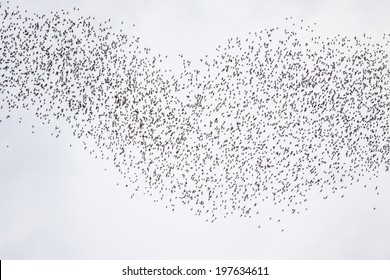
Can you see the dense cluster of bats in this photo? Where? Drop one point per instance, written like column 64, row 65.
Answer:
column 271, row 116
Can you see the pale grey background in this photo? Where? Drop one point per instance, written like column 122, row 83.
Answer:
column 57, row 203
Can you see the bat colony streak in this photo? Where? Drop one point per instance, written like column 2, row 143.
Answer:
column 271, row 117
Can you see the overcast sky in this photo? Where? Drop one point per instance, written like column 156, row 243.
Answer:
column 57, row 203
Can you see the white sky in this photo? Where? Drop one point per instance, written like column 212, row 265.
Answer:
column 57, row 203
